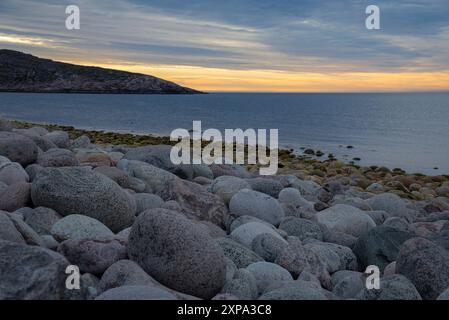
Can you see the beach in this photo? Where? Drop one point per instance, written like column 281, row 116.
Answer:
column 113, row 208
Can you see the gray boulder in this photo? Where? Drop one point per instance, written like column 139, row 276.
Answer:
column 267, row 273
column 256, row 204
column 227, row 186
column 12, row 172
column 246, row 233
column 268, row 246
column 347, row 219
column 426, row 265
column 94, row 255
column 136, row 293
column 390, row 203
column 41, row 219
column 18, row 148
column 31, row 273
column 76, row 190
column 301, row 228
column 243, row 285
column 8, row 231
column 394, row 287
column 239, row 254
column 15, row 196
column 57, row 158
column 145, row 201
column 59, row 138
column 77, row 226
column 177, row 253
column 297, row 290
column 268, row 186
column 380, row 246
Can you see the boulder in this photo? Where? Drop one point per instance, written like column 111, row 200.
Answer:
column 380, row 246
column 77, row 226
column 41, row 219
column 13, row 172
column 93, row 255
column 8, row 231
column 347, row 219
column 77, row 190
column 295, row 290
column 268, row 246
column 246, row 233
column 426, row 265
column 15, row 196
column 239, row 254
column 145, row 201
column 227, row 186
column 136, row 293
column 177, row 253
column 294, row 204
column 31, row 273
column 301, row 228
column 18, row 148
column 268, row 186
column 390, row 203
column 243, row 285
column 59, row 138
column 393, row 287
column 57, row 158
column 267, row 273
column 256, row 204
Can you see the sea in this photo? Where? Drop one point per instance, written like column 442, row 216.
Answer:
column 397, row 130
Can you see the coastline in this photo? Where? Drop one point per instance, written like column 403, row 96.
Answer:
column 413, row 186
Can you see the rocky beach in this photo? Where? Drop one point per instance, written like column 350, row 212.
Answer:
column 138, row 227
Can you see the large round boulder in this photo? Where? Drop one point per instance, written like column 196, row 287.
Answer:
column 18, row 148
column 76, row 190
column 347, row 219
column 177, row 253
column 256, row 204
column 426, row 265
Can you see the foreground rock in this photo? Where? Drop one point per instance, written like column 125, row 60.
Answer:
column 77, row 226
column 76, row 190
column 136, row 293
column 426, row 265
column 30, row 272
column 177, row 253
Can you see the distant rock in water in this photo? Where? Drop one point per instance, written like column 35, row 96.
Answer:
column 20, row 72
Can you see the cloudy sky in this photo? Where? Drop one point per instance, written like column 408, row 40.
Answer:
column 245, row 45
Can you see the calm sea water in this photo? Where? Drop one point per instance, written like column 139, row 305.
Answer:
column 406, row 130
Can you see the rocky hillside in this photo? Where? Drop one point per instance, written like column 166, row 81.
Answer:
column 20, row 72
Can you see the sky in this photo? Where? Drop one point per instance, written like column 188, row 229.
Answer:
column 245, row 45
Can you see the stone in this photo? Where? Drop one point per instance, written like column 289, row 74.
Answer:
column 397, row 223
column 94, row 255
column 227, row 186
column 390, row 203
column 31, row 273
column 124, row 273
column 30, row 236
column 192, row 197
column 81, row 142
column 8, row 231
column 229, row 170
column 18, row 148
column 256, row 204
column 77, row 226
column 393, row 287
column 378, row 216
column 77, row 190
column 15, row 196
column 349, row 286
column 177, row 253
column 5, row 125
column 50, row 242
column 113, row 173
column 301, row 228
column 13, row 172
column 297, row 290
column 92, row 157
column 239, row 254
column 268, row 246
column 145, row 201
column 202, row 171
column 335, row 256
column 241, row 220
column 246, row 233
column 337, row 237
column 136, row 293
column 294, row 204
column 266, row 273
column 41, row 219
column 347, row 219
column 380, row 246
column 42, row 142
column 57, row 158
column 268, row 186
column 444, row 295
column 426, row 265
column 390, row 269
column 59, row 138
column 32, row 170
column 243, row 285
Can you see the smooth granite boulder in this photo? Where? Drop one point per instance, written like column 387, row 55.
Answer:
column 177, row 253
column 18, row 148
column 77, row 190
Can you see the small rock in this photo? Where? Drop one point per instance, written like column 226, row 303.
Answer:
column 239, row 254
column 145, row 201
column 77, row 226
column 227, row 186
column 266, row 273
column 246, row 233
